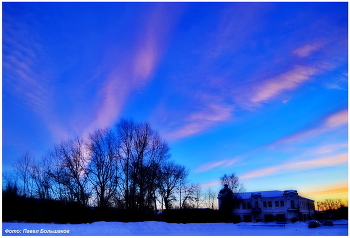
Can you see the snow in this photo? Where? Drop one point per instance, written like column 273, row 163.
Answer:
column 273, row 193
column 156, row 228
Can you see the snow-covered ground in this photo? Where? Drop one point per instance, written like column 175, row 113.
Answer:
column 154, row 228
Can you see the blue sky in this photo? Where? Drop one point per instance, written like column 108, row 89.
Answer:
column 258, row 89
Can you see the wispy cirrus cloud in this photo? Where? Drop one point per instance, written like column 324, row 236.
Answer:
column 137, row 69
column 21, row 76
column 307, row 49
column 201, row 120
column 250, row 96
column 216, row 164
column 27, row 75
column 330, row 123
column 337, row 119
column 341, row 159
column 236, row 24
column 269, row 88
column 325, row 149
column 205, row 185
column 285, row 68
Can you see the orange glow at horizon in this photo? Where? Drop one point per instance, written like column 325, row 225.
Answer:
column 327, row 191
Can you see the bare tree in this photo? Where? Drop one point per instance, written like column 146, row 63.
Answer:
column 233, row 183
column 181, row 189
column 170, row 178
column 157, row 156
column 211, row 199
column 40, row 175
column 56, row 174
column 330, row 204
column 103, row 167
column 126, row 166
column 22, row 169
column 9, row 184
column 141, row 153
column 198, row 196
column 71, row 170
column 188, row 195
column 125, row 134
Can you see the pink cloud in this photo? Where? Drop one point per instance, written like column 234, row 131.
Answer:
column 306, row 50
column 329, row 148
column 228, row 38
column 212, row 112
column 136, row 70
column 113, row 95
column 333, row 121
column 145, row 61
column 341, row 159
column 337, row 119
column 289, row 80
column 202, row 120
column 222, row 163
column 209, row 184
column 188, row 130
column 153, row 39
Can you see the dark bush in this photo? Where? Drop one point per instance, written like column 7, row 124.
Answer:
column 191, row 216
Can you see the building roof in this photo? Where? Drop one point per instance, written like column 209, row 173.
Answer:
column 273, row 193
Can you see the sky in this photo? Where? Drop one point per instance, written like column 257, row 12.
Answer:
column 255, row 89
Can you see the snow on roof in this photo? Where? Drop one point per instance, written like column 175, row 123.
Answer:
column 266, row 194
column 274, row 193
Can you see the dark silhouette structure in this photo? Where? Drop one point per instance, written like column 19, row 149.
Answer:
column 225, row 203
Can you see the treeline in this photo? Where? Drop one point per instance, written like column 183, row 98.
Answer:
column 126, row 168
column 334, row 209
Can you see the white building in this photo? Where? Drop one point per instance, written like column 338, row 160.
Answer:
column 269, row 206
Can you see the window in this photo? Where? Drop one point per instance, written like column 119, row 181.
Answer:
column 264, row 204
column 282, row 203
column 292, row 204
column 248, row 205
column 244, row 205
column 256, row 204
column 270, row 204
column 276, row 204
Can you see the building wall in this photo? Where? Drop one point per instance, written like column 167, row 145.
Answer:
column 288, row 206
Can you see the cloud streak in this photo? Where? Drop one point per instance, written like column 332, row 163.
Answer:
column 248, row 96
column 289, row 80
column 324, row 191
column 329, row 161
column 330, row 123
column 212, row 165
column 252, row 96
column 343, row 190
column 27, row 75
column 136, row 71
column 306, row 50
column 201, row 120
column 23, row 78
